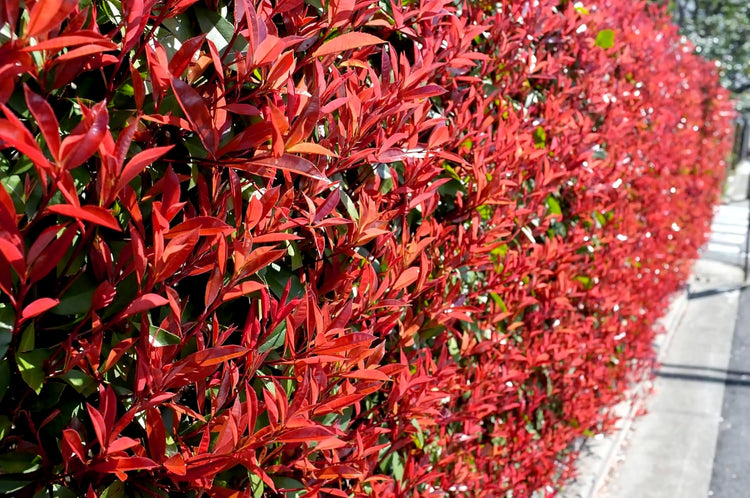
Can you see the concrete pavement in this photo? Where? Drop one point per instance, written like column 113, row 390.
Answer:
column 730, row 476
column 669, row 452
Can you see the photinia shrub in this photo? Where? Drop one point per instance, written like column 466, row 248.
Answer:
column 348, row 248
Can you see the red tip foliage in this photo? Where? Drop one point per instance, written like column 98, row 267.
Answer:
column 410, row 248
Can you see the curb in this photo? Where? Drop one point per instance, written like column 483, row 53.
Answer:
column 598, row 454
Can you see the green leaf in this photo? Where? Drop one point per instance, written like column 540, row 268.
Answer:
column 10, row 484
column 600, row 219
column 160, row 337
column 256, row 485
column 540, row 138
column 386, row 179
column 499, row 301
column 55, row 491
column 79, row 381
column 277, row 277
column 605, row 38
column 418, row 438
column 397, row 466
column 31, row 366
column 452, row 172
column 179, row 26
column 586, row 281
column 27, row 339
column 552, row 205
column 275, row 340
column 351, row 209
column 4, row 378
column 4, row 426
column 114, row 490
column 219, row 30
column 14, row 186
column 294, row 252
column 77, row 300
column 485, row 212
column 291, row 484
column 19, row 463
column 453, row 347
column 7, row 318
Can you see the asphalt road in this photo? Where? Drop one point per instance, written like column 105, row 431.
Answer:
column 730, row 477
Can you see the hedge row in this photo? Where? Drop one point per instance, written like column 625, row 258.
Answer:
column 408, row 248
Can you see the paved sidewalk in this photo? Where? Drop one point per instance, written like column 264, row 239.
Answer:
column 730, row 477
column 669, row 452
column 694, row 440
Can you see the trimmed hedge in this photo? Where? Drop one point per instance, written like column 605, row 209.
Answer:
column 353, row 248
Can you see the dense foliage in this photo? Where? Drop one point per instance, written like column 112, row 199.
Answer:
column 348, row 248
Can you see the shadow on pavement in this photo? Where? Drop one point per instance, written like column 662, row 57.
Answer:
column 717, row 290
column 730, row 378
column 707, row 369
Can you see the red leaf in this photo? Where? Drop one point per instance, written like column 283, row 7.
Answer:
column 83, row 51
column 72, row 446
column 85, row 139
column 122, row 464
column 94, row 214
column 6, row 204
column 184, row 55
column 344, row 343
column 213, row 286
column 47, row 250
column 45, row 119
column 80, row 38
column 122, row 444
column 268, row 50
column 347, row 41
column 311, row 148
column 198, row 366
column 175, row 254
column 336, row 404
column 116, row 352
column 156, row 434
column 134, row 15
column 340, row 12
column 138, row 163
column 100, row 428
column 424, row 92
column 242, row 289
column 409, row 276
column 216, row 355
column 275, row 237
column 14, row 134
column 139, row 87
column 249, row 138
column 368, row 374
column 103, row 295
column 330, row 203
column 176, row 465
column 340, row 471
column 144, row 303
column 11, row 241
column 292, row 163
column 38, row 307
column 10, row 244
column 48, row 14
column 305, row 434
column 260, row 258
column 197, row 113
column 205, row 225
